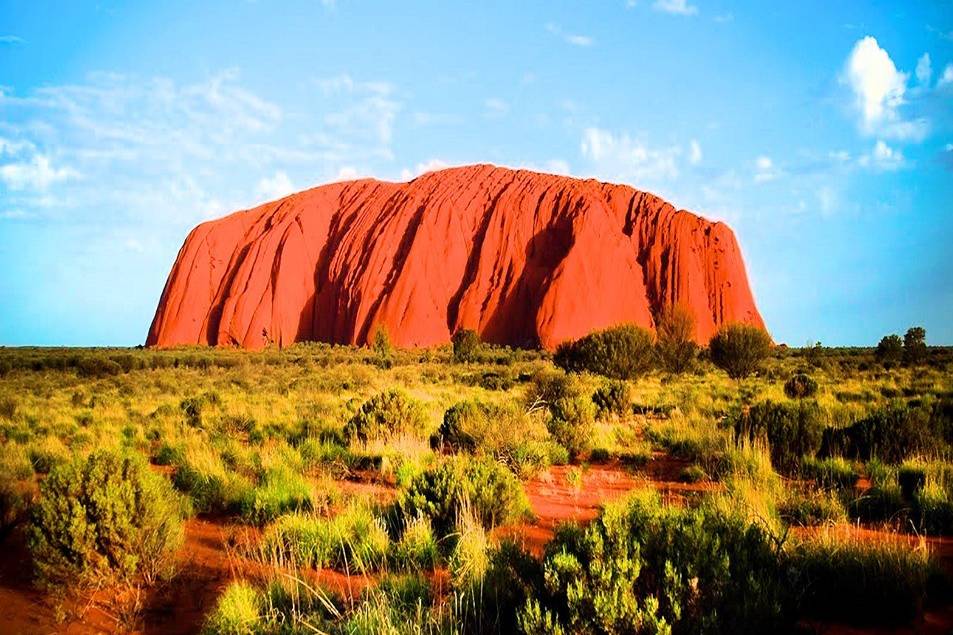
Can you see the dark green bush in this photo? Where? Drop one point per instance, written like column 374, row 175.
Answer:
column 792, row 431
column 739, row 349
column 861, row 581
column 571, row 410
column 889, row 349
column 621, row 352
column 891, row 434
column 644, row 568
column 108, row 516
column 460, row 421
column 675, row 345
column 832, row 472
column 16, row 498
column 490, row 491
column 613, row 398
column 466, row 346
column 800, row 386
column 94, row 367
column 915, row 346
column 386, row 415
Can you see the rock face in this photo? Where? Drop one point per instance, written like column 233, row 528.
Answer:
column 521, row 257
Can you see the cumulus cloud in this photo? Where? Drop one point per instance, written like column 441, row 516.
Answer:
column 879, row 89
column 431, row 165
column 675, row 7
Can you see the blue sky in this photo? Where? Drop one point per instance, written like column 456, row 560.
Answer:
column 822, row 132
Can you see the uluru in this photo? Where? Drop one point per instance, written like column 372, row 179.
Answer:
column 523, row 258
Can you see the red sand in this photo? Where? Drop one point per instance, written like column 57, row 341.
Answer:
column 523, row 258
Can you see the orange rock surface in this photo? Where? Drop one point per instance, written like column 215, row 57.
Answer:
column 523, row 258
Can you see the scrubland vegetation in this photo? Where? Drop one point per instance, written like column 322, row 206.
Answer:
column 811, row 482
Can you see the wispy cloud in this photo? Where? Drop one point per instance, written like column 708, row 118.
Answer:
column 11, row 39
column 675, row 7
column 570, row 38
column 621, row 157
column 495, row 107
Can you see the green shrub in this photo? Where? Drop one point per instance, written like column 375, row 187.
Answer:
column 693, row 474
column 861, row 581
column 238, row 611
column 792, row 430
column 386, row 415
column 644, row 568
column 8, row 408
column 889, row 349
column 675, row 347
column 417, row 547
column 106, row 516
column 811, row 507
column 800, row 386
column 466, row 346
column 891, row 434
column 491, row 491
column 613, row 398
column 571, row 410
column 94, row 367
column 16, row 499
column 739, row 349
column 212, row 486
column 281, row 491
column 621, row 352
column 914, row 345
column 354, row 539
column 832, row 472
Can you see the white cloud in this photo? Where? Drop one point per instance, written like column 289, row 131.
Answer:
column 37, row 174
column 570, row 38
column 675, row 7
column 882, row 157
column 694, row 153
column 827, row 199
column 11, row 39
column 495, row 107
column 924, row 70
column 765, row 169
column 877, row 84
column 621, row 157
column 879, row 92
column 947, row 76
column 275, row 187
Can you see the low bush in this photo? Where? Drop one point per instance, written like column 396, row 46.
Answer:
column 211, row 484
column 891, row 434
column 16, row 499
column 832, row 472
column 238, row 611
column 417, row 547
column 811, row 507
column 644, row 568
column 613, row 399
column 280, row 491
column 800, row 386
column 621, row 352
column 466, row 346
column 675, row 347
column 355, row 539
column 861, row 581
column 791, row 430
column 571, row 410
column 485, row 486
column 386, row 415
column 739, row 349
column 108, row 516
